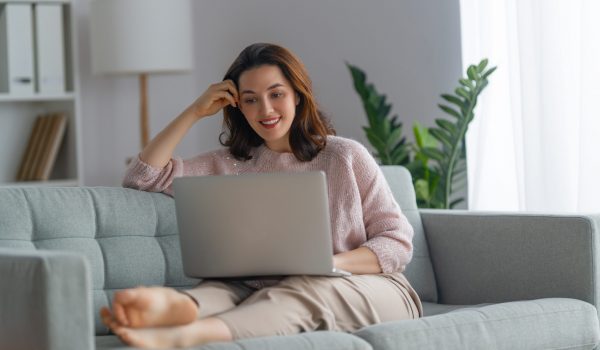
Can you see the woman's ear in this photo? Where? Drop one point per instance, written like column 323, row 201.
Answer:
column 297, row 98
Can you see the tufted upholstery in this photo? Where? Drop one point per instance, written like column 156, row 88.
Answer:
column 129, row 237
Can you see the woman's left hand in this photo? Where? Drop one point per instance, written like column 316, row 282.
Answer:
column 358, row 261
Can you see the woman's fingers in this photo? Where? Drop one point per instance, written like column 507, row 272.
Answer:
column 233, row 90
column 229, row 87
column 216, row 97
column 226, row 95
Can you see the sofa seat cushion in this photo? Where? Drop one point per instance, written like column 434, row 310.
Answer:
column 432, row 309
column 305, row 341
column 556, row 323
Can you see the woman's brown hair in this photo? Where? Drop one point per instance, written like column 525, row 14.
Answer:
column 309, row 130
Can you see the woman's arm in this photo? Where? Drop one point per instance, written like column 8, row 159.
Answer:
column 160, row 150
column 154, row 169
column 389, row 233
column 358, row 261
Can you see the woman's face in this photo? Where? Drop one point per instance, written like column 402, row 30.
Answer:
column 268, row 102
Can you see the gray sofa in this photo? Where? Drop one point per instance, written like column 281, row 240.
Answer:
column 487, row 280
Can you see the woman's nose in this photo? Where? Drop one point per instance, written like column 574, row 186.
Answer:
column 265, row 107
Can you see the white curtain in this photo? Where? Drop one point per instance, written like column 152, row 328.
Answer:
column 534, row 144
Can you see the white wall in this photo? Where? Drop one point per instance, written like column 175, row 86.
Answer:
column 410, row 49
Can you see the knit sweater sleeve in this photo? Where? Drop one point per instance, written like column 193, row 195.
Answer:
column 145, row 177
column 389, row 234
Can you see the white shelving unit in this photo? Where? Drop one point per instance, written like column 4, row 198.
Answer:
column 18, row 114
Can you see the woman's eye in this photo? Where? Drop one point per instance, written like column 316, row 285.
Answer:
column 250, row 100
column 277, row 94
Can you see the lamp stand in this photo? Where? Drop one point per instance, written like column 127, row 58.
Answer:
column 144, row 127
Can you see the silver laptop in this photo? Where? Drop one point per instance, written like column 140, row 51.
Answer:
column 251, row 225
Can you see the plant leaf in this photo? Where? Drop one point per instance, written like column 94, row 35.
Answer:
column 423, row 137
column 482, row 65
column 487, row 74
column 466, row 83
column 453, row 99
column 394, row 138
column 472, row 72
column 446, row 125
column 433, row 153
column 376, row 141
column 442, row 136
column 462, row 93
column 400, row 157
column 422, row 189
column 450, row 111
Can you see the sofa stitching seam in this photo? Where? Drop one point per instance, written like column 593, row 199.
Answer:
column 156, row 236
column 577, row 346
column 96, row 238
column 30, row 209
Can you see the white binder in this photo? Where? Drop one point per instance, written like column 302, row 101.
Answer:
column 50, row 42
column 16, row 49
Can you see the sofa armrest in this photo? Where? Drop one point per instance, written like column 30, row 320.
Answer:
column 486, row 257
column 45, row 301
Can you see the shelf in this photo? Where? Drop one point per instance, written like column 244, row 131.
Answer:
column 49, row 183
column 19, row 111
column 37, row 98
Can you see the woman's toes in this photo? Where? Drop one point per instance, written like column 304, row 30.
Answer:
column 109, row 321
column 125, row 296
column 104, row 312
column 105, row 316
column 120, row 314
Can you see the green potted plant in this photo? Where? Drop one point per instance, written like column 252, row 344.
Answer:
column 437, row 159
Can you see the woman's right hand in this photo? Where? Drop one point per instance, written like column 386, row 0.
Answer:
column 216, row 97
column 160, row 150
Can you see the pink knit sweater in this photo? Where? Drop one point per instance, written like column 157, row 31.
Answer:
column 363, row 210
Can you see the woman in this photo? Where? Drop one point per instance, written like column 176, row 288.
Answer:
column 272, row 124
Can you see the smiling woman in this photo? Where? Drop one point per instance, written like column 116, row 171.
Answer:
column 270, row 110
column 272, row 124
column 276, row 96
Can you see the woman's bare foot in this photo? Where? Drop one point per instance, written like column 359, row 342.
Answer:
column 196, row 333
column 144, row 307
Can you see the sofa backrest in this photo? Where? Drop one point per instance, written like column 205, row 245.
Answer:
column 419, row 271
column 130, row 237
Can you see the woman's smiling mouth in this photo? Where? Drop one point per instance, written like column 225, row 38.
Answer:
column 270, row 122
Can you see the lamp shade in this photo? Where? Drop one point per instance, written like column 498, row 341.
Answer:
column 141, row 36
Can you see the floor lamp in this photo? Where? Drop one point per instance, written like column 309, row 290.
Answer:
column 141, row 37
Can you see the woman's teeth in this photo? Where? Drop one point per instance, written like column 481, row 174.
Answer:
column 270, row 122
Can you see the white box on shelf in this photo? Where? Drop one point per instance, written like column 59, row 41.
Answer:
column 16, row 49
column 50, row 48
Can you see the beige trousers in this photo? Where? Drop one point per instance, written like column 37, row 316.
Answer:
column 306, row 303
